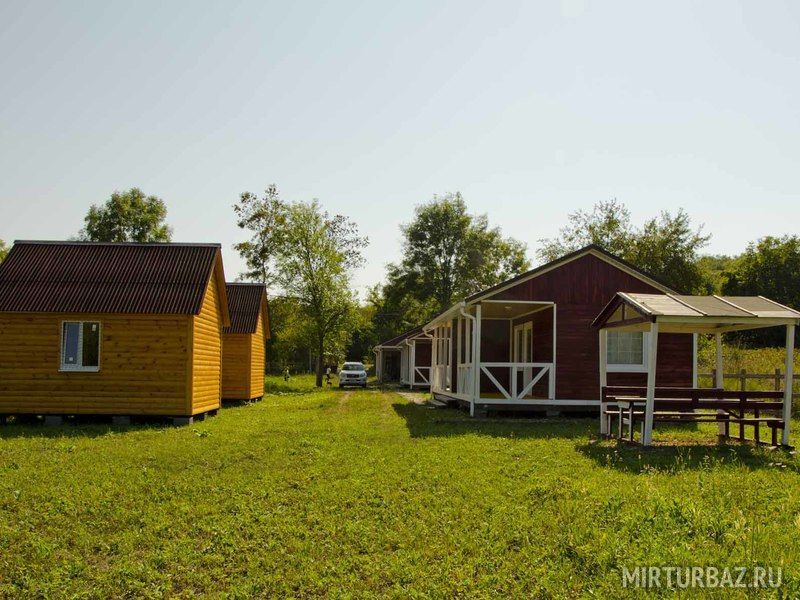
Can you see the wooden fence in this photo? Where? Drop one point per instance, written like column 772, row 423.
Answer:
column 773, row 380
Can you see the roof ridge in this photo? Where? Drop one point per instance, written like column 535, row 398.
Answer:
column 243, row 283
column 687, row 305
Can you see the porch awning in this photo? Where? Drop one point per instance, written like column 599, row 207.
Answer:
column 693, row 314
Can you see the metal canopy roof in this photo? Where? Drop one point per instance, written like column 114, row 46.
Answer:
column 698, row 314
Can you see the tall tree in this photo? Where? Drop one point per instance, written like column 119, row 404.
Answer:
column 315, row 261
column 607, row 225
column 3, row 250
column 769, row 267
column 714, row 268
column 129, row 216
column 666, row 246
column 447, row 254
column 264, row 217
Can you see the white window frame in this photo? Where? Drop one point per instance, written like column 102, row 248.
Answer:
column 64, row 367
column 630, row 368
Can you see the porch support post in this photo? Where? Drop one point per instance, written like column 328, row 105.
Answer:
column 457, row 386
column 603, row 377
column 719, row 379
column 413, row 362
column 552, row 382
column 652, row 357
column 450, row 350
column 379, row 365
column 694, row 360
column 433, row 361
column 787, row 387
column 476, row 357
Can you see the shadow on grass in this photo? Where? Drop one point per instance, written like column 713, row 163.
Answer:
column 426, row 421
column 685, row 455
column 84, row 426
column 679, row 454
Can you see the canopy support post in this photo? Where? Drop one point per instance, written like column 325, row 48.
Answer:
column 787, row 387
column 652, row 356
column 476, row 357
column 719, row 380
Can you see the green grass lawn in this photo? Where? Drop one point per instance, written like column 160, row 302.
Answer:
column 358, row 493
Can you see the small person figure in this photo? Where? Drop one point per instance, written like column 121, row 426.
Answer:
column 328, row 375
column 286, row 373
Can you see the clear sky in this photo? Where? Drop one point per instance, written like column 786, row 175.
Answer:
column 530, row 109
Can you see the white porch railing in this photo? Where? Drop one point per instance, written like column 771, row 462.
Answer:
column 439, row 377
column 465, row 379
column 422, row 375
column 535, row 371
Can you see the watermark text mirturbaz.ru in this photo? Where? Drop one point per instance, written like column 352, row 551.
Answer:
column 654, row 577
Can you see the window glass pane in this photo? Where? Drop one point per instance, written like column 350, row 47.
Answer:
column 625, row 348
column 91, row 344
column 69, row 349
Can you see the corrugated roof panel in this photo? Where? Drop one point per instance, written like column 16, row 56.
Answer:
column 88, row 277
column 244, row 304
column 714, row 307
column 763, row 307
column 661, row 304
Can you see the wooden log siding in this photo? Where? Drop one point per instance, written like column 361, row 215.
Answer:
column 143, row 365
column 580, row 289
column 258, row 357
column 236, row 365
column 243, row 360
column 207, row 353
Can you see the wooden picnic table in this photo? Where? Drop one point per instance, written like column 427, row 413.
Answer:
column 680, row 405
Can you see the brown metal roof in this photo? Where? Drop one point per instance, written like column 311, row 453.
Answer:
column 92, row 277
column 395, row 341
column 245, row 300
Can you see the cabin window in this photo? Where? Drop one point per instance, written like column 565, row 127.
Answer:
column 80, row 346
column 626, row 351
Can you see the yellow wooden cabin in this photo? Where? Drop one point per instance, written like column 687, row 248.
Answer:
column 111, row 329
column 244, row 342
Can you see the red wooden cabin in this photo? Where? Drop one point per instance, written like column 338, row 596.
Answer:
column 405, row 358
column 532, row 343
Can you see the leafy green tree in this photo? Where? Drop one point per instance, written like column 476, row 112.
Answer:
column 265, row 218
column 289, row 345
column 447, row 254
column 713, row 267
column 666, row 246
column 3, row 250
column 769, row 267
column 128, row 216
column 607, row 225
column 314, row 262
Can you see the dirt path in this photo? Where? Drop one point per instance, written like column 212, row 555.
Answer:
column 343, row 400
column 415, row 397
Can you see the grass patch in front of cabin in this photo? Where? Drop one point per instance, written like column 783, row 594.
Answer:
column 353, row 492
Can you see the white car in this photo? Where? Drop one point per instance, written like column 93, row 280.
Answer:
column 353, row 373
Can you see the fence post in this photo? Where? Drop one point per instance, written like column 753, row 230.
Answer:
column 777, row 380
column 742, row 380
